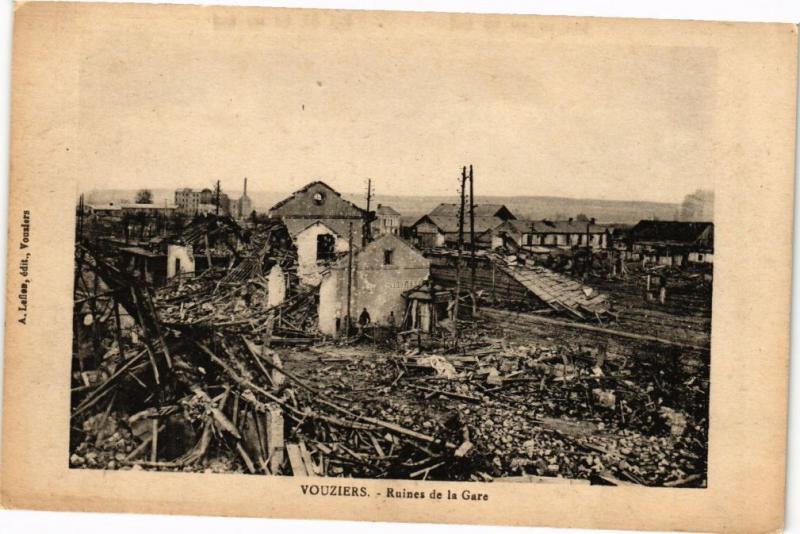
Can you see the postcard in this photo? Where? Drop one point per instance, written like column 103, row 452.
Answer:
column 416, row 267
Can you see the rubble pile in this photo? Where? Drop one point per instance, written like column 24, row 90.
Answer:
column 197, row 301
column 208, row 374
column 237, row 299
column 558, row 411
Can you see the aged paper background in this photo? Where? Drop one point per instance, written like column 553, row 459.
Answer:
column 751, row 124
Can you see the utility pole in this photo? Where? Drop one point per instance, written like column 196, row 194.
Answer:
column 349, row 275
column 588, row 248
column 81, row 208
column 217, row 210
column 458, row 256
column 472, row 233
column 368, row 225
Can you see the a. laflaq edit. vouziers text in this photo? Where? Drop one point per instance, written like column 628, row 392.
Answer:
column 24, row 268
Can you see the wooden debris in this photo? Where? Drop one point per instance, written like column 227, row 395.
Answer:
column 275, row 445
column 460, row 396
column 463, row 449
column 296, row 460
column 310, row 467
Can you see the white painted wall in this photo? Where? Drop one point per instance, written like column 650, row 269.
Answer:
column 186, row 256
column 306, row 242
column 599, row 240
column 276, row 286
column 329, row 304
column 701, row 257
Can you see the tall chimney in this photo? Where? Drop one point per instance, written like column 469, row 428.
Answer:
column 245, row 186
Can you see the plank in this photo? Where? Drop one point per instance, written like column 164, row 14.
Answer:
column 311, row 467
column 296, row 460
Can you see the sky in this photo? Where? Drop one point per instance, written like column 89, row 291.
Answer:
column 548, row 108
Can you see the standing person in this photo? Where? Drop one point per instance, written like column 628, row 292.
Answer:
column 363, row 321
column 392, row 329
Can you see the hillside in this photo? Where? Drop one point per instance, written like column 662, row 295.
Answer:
column 533, row 207
column 412, row 207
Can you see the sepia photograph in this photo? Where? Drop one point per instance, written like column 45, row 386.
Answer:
column 523, row 294
column 354, row 265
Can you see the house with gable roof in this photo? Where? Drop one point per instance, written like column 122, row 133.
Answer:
column 320, row 223
column 380, row 274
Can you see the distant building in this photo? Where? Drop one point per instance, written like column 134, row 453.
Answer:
column 206, row 196
column 431, row 231
column 320, row 223
column 189, row 201
column 440, row 227
column 499, row 211
column 381, row 272
column 110, row 209
column 387, row 221
column 148, row 209
column 551, row 234
column 673, row 243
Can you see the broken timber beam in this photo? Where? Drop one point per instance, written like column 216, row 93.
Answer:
column 503, row 314
column 446, row 393
column 275, row 445
column 296, row 460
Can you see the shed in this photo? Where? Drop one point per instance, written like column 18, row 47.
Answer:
column 427, row 304
column 673, row 242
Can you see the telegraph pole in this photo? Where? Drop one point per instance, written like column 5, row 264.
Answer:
column 217, row 210
column 472, row 232
column 368, row 226
column 458, row 256
column 349, row 275
column 81, row 208
column 590, row 255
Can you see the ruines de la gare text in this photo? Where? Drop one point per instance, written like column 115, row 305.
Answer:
column 336, row 490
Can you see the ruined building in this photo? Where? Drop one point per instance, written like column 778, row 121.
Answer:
column 321, row 224
column 380, row 273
